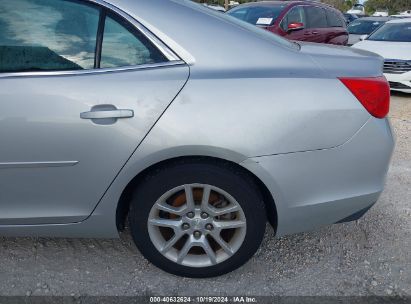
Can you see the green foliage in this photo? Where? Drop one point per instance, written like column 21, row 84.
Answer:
column 342, row 5
column 393, row 6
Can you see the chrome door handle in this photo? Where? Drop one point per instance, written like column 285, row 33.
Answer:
column 107, row 114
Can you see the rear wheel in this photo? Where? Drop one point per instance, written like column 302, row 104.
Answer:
column 197, row 219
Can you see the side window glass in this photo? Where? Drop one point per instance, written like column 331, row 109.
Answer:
column 316, row 17
column 296, row 14
column 240, row 14
column 125, row 46
column 47, row 35
column 333, row 19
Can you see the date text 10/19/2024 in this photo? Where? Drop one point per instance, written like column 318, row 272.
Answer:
column 208, row 299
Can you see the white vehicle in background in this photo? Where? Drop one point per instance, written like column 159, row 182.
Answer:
column 215, row 7
column 357, row 9
column 362, row 27
column 393, row 42
column 381, row 13
column 405, row 14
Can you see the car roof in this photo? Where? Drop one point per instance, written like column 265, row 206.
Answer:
column 400, row 20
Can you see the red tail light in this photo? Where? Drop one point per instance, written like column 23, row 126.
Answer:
column 373, row 93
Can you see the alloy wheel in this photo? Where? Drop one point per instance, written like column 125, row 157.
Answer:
column 197, row 225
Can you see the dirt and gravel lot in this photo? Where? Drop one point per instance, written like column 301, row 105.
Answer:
column 368, row 257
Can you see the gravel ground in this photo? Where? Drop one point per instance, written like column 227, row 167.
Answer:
column 368, row 257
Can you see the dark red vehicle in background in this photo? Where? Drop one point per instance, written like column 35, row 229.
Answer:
column 296, row 20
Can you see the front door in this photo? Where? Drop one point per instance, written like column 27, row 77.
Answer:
column 79, row 89
column 295, row 15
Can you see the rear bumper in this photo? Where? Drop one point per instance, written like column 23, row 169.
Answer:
column 323, row 187
column 356, row 216
column 400, row 82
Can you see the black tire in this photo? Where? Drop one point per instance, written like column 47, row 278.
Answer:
column 225, row 176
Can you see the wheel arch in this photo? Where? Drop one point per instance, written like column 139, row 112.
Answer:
column 125, row 198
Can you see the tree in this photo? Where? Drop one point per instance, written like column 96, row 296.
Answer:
column 393, row 6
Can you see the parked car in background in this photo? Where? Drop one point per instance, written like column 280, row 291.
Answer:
column 350, row 17
column 364, row 26
column 358, row 9
column 393, row 42
column 195, row 154
column 405, row 14
column 232, row 3
column 381, row 13
column 399, row 16
column 296, row 20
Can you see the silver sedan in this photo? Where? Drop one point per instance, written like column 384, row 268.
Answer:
column 189, row 126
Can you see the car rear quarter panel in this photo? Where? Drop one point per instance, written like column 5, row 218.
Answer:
column 258, row 116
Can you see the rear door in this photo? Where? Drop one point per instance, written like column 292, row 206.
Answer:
column 80, row 87
column 316, row 24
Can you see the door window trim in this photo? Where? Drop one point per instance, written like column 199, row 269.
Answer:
column 105, row 10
